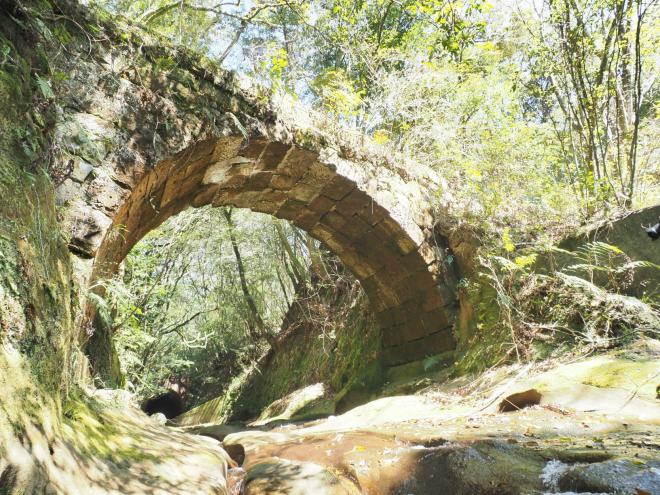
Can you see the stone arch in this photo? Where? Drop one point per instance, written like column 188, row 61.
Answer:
column 146, row 130
column 295, row 184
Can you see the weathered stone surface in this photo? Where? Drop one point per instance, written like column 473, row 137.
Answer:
column 282, row 477
column 81, row 170
column 418, row 349
column 86, row 228
column 627, row 235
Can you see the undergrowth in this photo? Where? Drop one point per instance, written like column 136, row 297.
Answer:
column 527, row 309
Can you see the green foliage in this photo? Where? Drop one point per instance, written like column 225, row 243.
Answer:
column 337, row 93
column 525, row 314
column 609, row 265
column 179, row 308
column 485, row 93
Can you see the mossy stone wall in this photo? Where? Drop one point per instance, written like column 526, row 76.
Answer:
column 37, row 294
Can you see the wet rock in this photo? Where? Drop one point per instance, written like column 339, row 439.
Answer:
column 235, row 481
column 619, row 477
column 255, row 439
column 382, row 411
column 305, row 403
column 611, row 384
column 280, row 477
column 488, row 468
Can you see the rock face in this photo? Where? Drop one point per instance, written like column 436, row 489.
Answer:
column 627, row 235
column 146, row 131
column 102, row 445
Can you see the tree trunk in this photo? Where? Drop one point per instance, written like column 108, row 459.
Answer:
column 256, row 325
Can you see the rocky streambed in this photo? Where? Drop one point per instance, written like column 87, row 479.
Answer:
column 537, row 450
column 592, row 426
column 558, row 431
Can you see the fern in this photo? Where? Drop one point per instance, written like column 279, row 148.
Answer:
column 44, row 87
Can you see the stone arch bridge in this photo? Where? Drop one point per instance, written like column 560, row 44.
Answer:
column 148, row 131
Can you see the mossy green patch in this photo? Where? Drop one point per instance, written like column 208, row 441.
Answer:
column 94, row 431
column 36, row 287
column 347, row 361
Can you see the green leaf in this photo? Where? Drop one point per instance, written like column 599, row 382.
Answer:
column 44, row 87
column 509, row 246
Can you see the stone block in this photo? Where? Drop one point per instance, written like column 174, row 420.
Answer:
column 385, row 231
column 318, row 175
column 304, row 192
column 276, row 196
column 307, row 219
column 355, row 228
column 205, row 195
column 186, row 187
column 360, row 266
column 431, row 299
column 257, row 181
column 413, row 262
column 353, row 202
column 254, row 148
column 290, row 209
column 382, row 254
column 321, row 232
column 282, row 182
column 321, row 204
column 222, row 149
column 107, row 194
column 297, row 162
column 234, row 183
column 386, row 291
column 266, row 206
column 81, row 169
column 367, row 242
column 273, row 155
column 337, row 243
column 334, row 220
column 437, row 319
column 394, row 232
column 372, row 212
column 414, row 329
column 245, row 199
column 338, row 188
column 392, row 316
column 393, row 336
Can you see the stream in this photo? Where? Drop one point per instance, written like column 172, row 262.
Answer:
column 531, row 451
